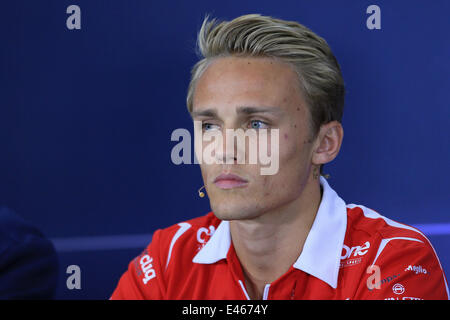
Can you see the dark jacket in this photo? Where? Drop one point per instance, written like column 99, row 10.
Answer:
column 28, row 261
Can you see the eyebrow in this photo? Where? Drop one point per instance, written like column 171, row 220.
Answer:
column 254, row 109
column 240, row 110
column 204, row 113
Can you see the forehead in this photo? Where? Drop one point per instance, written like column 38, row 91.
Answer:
column 247, row 81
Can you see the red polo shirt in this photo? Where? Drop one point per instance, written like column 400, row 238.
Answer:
column 351, row 252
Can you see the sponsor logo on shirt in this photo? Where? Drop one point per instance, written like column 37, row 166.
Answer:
column 351, row 256
column 350, row 262
column 385, row 280
column 398, row 288
column 202, row 235
column 411, row 298
column 416, row 269
column 355, row 251
column 403, row 298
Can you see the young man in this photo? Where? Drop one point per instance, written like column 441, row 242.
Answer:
column 286, row 235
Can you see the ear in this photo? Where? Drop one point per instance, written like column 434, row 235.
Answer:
column 328, row 143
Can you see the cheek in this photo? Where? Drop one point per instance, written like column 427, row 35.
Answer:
column 290, row 150
column 290, row 160
column 208, row 173
column 267, row 190
column 276, row 190
column 294, row 155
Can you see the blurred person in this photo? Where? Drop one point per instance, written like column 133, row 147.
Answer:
column 28, row 260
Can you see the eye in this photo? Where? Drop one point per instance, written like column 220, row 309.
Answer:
column 206, row 126
column 258, row 124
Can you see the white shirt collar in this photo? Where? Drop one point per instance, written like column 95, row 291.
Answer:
column 321, row 254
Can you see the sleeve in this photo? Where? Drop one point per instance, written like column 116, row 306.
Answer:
column 404, row 269
column 144, row 278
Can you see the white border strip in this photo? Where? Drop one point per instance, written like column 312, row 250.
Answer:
column 127, row 241
column 434, row 229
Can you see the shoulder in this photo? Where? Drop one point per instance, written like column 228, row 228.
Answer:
column 400, row 252
column 25, row 252
column 169, row 252
column 368, row 222
column 19, row 234
column 13, row 229
column 383, row 234
column 371, row 236
column 191, row 231
column 183, row 240
column 186, row 229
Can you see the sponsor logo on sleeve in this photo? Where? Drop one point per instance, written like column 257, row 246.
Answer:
column 147, row 268
column 144, row 266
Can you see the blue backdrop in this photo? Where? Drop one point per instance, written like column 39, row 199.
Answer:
column 86, row 118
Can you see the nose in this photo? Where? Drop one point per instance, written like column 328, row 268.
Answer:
column 227, row 151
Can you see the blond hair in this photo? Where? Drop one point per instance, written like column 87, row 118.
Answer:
column 254, row 35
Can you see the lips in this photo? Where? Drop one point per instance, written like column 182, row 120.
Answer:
column 230, row 181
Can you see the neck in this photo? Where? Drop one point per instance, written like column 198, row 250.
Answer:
column 267, row 246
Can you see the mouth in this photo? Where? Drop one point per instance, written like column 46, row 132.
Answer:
column 230, row 181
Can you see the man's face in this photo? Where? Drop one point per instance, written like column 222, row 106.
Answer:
column 224, row 93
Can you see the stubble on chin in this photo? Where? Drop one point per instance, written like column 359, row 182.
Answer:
column 227, row 209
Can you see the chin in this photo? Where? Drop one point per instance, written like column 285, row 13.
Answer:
column 226, row 211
